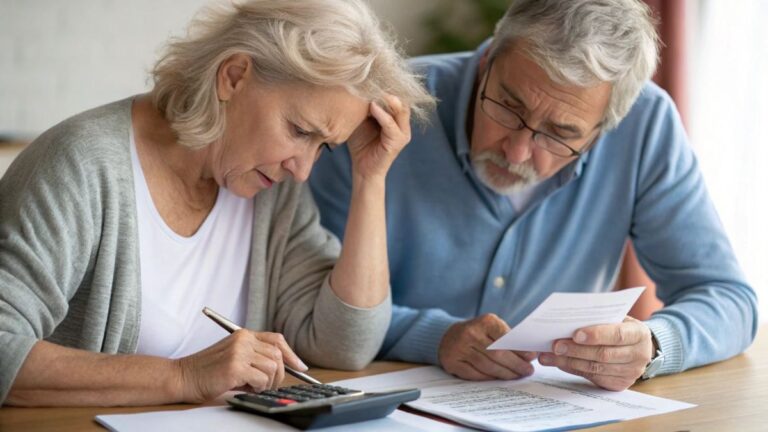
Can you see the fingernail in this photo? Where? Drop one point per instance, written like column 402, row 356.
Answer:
column 546, row 359
column 580, row 337
column 303, row 366
column 561, row 348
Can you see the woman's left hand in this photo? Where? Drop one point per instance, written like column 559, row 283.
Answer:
column 375, row 144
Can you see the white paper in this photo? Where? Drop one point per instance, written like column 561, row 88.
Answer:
column 561, row 314
column 221, row 418
column 549, row 399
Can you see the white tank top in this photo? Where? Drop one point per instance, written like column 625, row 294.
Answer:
column 180, row 275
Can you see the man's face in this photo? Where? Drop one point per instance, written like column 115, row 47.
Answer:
column 518, row 92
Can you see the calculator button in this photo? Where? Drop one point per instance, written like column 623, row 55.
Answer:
column 286, row 401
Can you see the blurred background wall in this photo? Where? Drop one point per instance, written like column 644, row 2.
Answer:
column 60, row 57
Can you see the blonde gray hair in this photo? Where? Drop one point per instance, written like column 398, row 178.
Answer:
column 319, row 42
column 584, row 42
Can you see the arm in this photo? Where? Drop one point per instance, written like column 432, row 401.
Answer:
column 683, row 246
column 415, row 335
column 47, row 239
column 710, row 313
column 351, row 313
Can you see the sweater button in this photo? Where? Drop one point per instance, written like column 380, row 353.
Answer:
column 498, row 282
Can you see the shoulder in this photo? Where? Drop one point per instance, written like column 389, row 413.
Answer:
column 652, row 121
column 652, row 105
column 440, row 70
column 93, row 132
column 85, row 159
column 97, row 137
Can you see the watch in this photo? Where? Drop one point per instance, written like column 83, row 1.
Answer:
column 653, row 367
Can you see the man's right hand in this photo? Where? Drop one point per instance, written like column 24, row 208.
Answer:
column 462, row 351
column 243, row 360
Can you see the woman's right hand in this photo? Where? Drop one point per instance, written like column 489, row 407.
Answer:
column 243, row 360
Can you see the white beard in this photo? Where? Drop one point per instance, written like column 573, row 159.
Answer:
column 525, row 175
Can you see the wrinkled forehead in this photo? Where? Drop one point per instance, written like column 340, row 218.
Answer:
column 333, row 111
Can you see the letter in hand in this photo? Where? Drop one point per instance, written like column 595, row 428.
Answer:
column 612, row 356
column 462, row 351
column 244, row 360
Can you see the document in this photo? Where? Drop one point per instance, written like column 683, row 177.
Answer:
column 561, row 314
column 221, row 418
column 548, row 400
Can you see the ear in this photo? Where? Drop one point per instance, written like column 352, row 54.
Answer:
column 232, row 76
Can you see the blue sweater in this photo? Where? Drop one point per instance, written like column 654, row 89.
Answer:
column 458, row 250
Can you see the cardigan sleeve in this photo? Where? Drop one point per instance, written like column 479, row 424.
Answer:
column 323, row 329
column 45, row 233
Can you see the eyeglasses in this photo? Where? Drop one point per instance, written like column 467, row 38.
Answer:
column 504, row 116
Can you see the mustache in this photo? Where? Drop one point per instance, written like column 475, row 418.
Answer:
column 525, row 170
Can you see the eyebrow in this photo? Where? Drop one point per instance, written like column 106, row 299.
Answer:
column 566, row 127
column 317, row 130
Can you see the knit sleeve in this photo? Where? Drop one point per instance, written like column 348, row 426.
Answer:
column 323, row 329
column 46, row 231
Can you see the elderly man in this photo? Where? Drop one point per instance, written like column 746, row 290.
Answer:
column 549, row 147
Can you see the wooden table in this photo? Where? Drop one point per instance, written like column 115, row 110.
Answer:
column 731, row 396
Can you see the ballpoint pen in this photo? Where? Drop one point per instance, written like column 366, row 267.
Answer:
column 232, row 327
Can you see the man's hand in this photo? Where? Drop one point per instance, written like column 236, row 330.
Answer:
column 462, row 351
column 613, row 356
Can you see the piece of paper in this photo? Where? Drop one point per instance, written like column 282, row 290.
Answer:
column 561, row 314
column 548, row 400
column 222, row 418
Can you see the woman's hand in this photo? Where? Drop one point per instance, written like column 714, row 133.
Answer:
column 375, row 144
column 244, row 360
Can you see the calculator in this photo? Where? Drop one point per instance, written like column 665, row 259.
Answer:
column 310, row 406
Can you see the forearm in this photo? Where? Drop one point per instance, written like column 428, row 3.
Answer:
column 361, row 275
column 414, row 335
column 53, row 375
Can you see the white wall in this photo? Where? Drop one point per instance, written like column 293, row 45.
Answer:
column 729, row 111
column 60, row 57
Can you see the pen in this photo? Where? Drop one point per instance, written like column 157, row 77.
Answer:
column 232, row 327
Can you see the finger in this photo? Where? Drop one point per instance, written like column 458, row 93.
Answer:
column 501, row 364
column 599, row 353
column 607, row 382
column 468, row 371
column 288, row 355
column 494, row 326
column 401, row 113
column 256, row 377
column 512, row 361
column 624, row 370
column 491, row 328
column 389, row 128
column 528, row 356
column 626, row 333
column 269, row 359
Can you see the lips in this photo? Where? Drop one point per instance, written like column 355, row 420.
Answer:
column 268, row 182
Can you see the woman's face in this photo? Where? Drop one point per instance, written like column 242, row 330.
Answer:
column 277, row 131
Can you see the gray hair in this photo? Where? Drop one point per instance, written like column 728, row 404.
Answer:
column 584, row 42
column 319, row 42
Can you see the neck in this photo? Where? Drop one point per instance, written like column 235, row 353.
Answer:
column 191, row 166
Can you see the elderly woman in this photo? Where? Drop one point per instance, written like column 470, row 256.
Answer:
column 118, row 225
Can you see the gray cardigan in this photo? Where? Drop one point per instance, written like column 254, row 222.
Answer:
column 69, row 263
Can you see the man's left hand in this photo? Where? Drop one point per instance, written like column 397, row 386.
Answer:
column 613, row 356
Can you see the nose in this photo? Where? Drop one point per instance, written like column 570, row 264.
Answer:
column 517, row 146
column 300, row 165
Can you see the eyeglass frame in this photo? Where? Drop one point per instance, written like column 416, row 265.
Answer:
column 524, row 125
